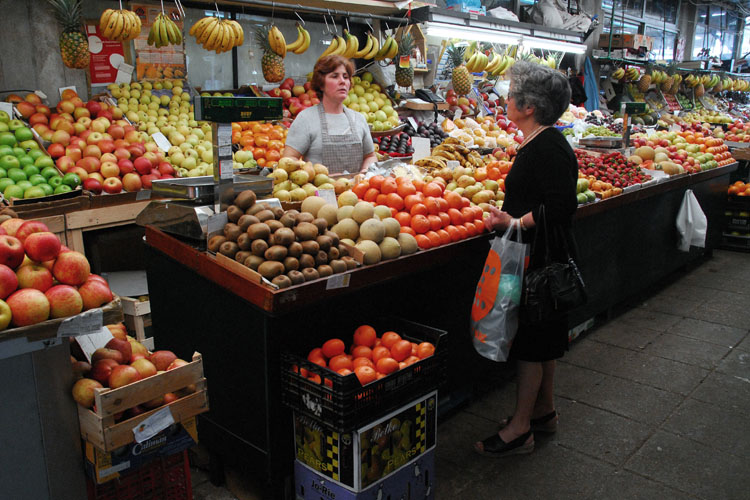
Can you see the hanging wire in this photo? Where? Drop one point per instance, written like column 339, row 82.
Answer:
column 298, row 16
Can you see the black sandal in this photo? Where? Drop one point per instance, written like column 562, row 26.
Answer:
column 545, row 423
column 494, row 446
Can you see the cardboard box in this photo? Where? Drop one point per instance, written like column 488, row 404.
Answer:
column 414, row 480
column 626, row 41
column 359, row 459
column 102, row 466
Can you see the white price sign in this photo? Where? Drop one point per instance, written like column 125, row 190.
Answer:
column 161, row 141
column 153, row 425
column 82, row 324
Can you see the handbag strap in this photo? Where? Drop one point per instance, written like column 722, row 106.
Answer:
column 558, row 233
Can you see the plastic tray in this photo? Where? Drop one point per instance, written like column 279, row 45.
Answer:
column 344, row 404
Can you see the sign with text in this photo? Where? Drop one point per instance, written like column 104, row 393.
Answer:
column 106, row 56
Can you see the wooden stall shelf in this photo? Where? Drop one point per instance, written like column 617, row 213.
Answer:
column 99, row 218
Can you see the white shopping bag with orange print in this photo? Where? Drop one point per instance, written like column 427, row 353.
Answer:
column 494, row 311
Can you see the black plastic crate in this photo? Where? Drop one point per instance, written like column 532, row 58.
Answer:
column 735, row 242
column 342, row 402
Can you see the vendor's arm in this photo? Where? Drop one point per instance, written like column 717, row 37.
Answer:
column 300, row 137
column 290, row 152
column 367, row 161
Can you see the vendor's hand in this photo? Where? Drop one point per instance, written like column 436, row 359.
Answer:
column 498, row 220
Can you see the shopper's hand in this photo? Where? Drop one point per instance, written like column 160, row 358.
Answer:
column 497, row 220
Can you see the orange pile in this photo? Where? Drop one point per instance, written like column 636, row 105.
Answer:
column 427, row 211
column 370, row 357
column 739, row 188
column 264, row 140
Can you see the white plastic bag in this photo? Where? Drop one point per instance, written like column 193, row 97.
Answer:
column 494, row 312
column 691, row 223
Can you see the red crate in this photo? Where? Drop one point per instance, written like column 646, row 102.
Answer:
column 163, row 479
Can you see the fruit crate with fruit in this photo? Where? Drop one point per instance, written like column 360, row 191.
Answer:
column 137, row 312
column 164, row 479
column 364, row 456
column 101, row 427
column 342, row 401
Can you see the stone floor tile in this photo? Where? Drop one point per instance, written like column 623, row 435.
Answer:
column 625, row 485
column 451, row 478
column 599, row 433
column 724, row 314
column 710, row 425
column 676, row 306
column 654, row 320
column 693, row 468
column 714, row 333
column 683, row 291
column 623, row 334
column 588, row 353
column 456, row 437
column 686, row 350
column 633, row 400
column 726, row 391
column 573, row 382
column 737, row 363
column 495, row 405
column 661, row 373
column 744, row 345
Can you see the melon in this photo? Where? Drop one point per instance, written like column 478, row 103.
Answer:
column 312, row 205
column 645, row 152
column 392, row 227
column 363, row 210
column 371, row 250
column 635, row 159
column 660, row 157
column 408, row 243
column 347, row 229
column 372, row 229
column 389, row 248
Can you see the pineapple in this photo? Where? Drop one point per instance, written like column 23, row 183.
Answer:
column 699, row 90
column 405, row 76
column 675, row 87
column 272, row 64
column 74, row 45
column 460, row 76
column 667, row 84
column 643, row 83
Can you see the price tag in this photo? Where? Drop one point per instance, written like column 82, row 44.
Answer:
column 226, row 169
column 81, row 324
column 403, row 61
column 41, row 94
column 421, row 147
column 675, row 128
column 124, row 73
column 413, row 123
column 453, row 164
column 329, row 195
column 338, row 281
column 225, row 152
column 61, row 89
column 8, row 108
column 225, row 135
column 457, row 114
column 153, row 425
column 93, row 341
column 161, row 141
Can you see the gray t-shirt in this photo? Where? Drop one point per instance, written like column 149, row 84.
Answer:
column 306, row 137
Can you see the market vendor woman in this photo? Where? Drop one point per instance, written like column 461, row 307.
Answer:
column 330, row 133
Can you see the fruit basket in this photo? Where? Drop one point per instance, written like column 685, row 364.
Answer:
column 343, row 403
column 164, row 479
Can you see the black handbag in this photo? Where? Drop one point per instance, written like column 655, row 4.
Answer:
column 552, row 290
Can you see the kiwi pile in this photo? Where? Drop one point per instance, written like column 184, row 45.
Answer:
column 285, row 247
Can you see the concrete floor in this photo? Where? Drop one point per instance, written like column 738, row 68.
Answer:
column 653, row 404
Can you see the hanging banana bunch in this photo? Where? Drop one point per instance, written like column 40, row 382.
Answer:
column 276, row 41
column 371, row 48
column 164, row 32
column 302, row 42
column 388, row 50
column 477, row 62
column 119, row 25
column 219, row 35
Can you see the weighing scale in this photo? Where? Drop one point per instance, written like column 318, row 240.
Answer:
column 197, row 205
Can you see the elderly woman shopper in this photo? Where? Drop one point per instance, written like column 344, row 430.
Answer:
column 544, row 173
column 330, row 133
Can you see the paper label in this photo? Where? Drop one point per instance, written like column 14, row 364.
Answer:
column 457, row 114
column 66, row 88
column 225, row 152
column 153, row 425
column 403, row 61
column 421, row 147
column 41, row 94
column 82, row 324
column 224, row 135
column 453, row 164
column 675, row 128
column 227, row 169
column 338, row 281
column 413, row 123
column 161, row 141
column 93, row 341
column 329, row 195
column 8, row 108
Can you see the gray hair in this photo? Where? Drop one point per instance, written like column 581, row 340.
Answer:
column 542, row 88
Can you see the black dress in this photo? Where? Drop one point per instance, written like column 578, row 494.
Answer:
column 544, row 172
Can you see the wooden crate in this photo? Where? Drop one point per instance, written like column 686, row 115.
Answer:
column 99, row 218
column 137, row 316
column 99, row 427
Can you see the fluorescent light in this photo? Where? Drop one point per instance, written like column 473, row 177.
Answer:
column 486, row 35
column 540, row 43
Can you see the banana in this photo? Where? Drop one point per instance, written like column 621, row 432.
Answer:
column 228, row 41
column 306, row 44
column 198, row 27
column 331, row 48
column 366, row 50
column 240, row 33
column 178, row 33
column 384, row 49
column 278, row 44
column 119, row 23
column 203, row 37
column 171, row 35
column 135, row 29
column 104, row 18
column 341, row 46
column 127, row 25
column 151, row 37
column 291, row 47
column 163, row 31
column 352, row 45
column 216, row 32
column 375, row 47
column 219, row 43
column 394, row 49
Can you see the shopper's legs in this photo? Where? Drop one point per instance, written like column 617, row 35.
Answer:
column 545, row 401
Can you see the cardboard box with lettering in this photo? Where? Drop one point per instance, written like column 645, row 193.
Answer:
column 626, row 41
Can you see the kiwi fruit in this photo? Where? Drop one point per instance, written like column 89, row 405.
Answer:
column 321, row 258
column 325, row 270
column 245, row 241
column 310, row 273
column 232, row 231
column 304, row 217
column 283, row 236
column 276, row 252
column 324, row 242
column 234, row 213
column 333, row 253
column 293, row 212
column 291, row 264
column 265, row 215
column 245, row 199
column 259, row 231
column 270, row 269
column 278, row 212
column 306, row 231
column 350, row 262
column 310, row 247
column 242, row 255
column 259, row 247
column 258, row 207
column 296, row 277
column 306, row 260
column 229, row 248
column 288, row 220
column 253, row 262
column 215, row 242
column 322, row 225
column 295, row 249
column 334, row 238
column 343, row 251
column 282, row 281
column 246, row 221
column 338, row 266
column 274, row 225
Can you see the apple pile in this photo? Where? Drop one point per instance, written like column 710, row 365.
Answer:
column 368, row 98
column 122, row 361
column 41, row 279
column 296, row 98
column 738, row 132
column 467, row 105
column 694, row 151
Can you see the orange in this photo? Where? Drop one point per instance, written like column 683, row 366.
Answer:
column 389, row 186
column 406, row 188
column 423, row 241
column 453, row 199
column 360, row 190
column 357, row 362
column 314, row 377
column 479, row 224
column 273, row 155
column 445, row 219
column 259, row 152
column 371, row 194
column 365, row 335
column 333, row 347
column 434, row 238
column 478, row 212
column 442, row 204
column 390, row 338
column 425, row 349
column 394, row 201
column 408, row 229
column 236, row 127
column 431, row 204
column 480, row 174
column 414, row 346
column 435, row 222
column 453, row 232
column 445, row 237
column 403, row 218
column 386, row 365
column 376, row 181
column 432, row 189
column 471, row 228
column 247, row 141
column 315, row 353
column 276, row 144
column 401, row 350
column 362, row 351
column 344, row 372
column 365, row 374
column 260, row 161
column 456, row 217
column 411, row 200
column 261, row 140
column 468, row 214
column 411, row 360
column 420, row 224
column 380, row 352
column 381, row 199
column 418, row 209
column 418, row 184
column 338, row 362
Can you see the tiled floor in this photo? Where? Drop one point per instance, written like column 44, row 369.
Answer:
column 653, row 404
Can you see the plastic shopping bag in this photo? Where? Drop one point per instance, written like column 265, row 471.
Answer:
column 691, row 223
column 494, row 312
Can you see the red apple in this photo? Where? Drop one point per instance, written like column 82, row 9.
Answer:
column 298, row 90
column 8, row 281
column 38, row 119
column 142, row 165
column 65, row 106
column 132, row 182
column 123, row 375
column 74, row 153
column 116, row 131
column 287, row 84
column 84, row 391
column 145, row 367
column 26, row 109
column 11, row 251
column 112, row 185
column 122, row 153
column 148, row 179
column 106, row 146
column 71, row 268
column 12, row 225
column 275, row 92
column 101, row 367
column 64, row 301
column 109, row 169
column 285, row 94
column 43, row 109
column 132, row 136
column 176, row 364
column 81, row 172
column 120, row 345
column 29, row 307
column 94, row 107
column 92, row 149
column 166, row 168
column 81, row 112
column 65, row 163
column 138, row 348
column 93, row 186
column 94, row 294
column 307, row 86
column 42, row 246
column 34, row 276
column 30, row 227
column 162, row 359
